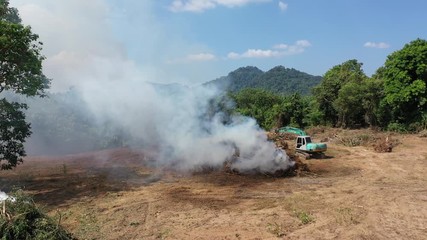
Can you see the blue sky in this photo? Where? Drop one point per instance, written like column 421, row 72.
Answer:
column 192, row 41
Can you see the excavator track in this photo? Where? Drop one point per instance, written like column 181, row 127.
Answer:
column 303, row 155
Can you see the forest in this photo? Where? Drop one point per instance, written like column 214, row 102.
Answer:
column 393, row 99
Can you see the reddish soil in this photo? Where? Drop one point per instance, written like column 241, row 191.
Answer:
column 355, row 193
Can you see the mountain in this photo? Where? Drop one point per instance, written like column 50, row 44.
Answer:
column 278, row 79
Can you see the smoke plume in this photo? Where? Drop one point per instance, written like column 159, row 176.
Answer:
column 174, row 121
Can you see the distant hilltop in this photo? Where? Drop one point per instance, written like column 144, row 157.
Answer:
column 278, row 80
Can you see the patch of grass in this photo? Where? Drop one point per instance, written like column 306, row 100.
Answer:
column 347, row 216
column 21, row 218
column 297, row 201
column 264, row 204
column 295, row 205
column 88, row 225
column 275, row 229
column 304, row 217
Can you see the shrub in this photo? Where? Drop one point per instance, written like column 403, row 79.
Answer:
column 397, row 127
column 20, row 218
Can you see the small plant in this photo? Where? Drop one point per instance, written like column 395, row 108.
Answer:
column 134, row 224
column 303, row 216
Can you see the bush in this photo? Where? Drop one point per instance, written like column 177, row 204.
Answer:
column 397, row 127
column 20, row 218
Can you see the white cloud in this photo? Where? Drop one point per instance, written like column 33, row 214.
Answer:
column 279, row 50
column 201, row 57
column 194, row 58
column 303, row 43
column 376, row 45
column 280, row 46
column 283, row 6
column 233, row 55
column 259, row 53
column 202, row 5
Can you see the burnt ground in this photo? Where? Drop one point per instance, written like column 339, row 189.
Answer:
column 355, row 193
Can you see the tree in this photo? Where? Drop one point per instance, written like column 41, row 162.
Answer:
column 20, row 72
column 259, row 104
column 375, row 113
column 9, row 14
column 327, row 92
column 405, row 82
column 292, row 111
column 349, row 105
column 13, row 131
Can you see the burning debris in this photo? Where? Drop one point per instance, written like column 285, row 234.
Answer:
column 384, row 145
column 279, row 164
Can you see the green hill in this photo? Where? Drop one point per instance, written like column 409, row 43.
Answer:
column 278, row 79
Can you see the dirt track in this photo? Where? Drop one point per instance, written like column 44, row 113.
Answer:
column 355, row 194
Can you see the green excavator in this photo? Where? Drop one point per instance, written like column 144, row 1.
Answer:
column 304, row 145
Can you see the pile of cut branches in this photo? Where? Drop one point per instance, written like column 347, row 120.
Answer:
column 20, row 218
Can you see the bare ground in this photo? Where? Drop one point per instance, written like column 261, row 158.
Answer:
column 356, row 193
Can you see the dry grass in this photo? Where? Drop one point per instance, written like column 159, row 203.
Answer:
column 356, row 193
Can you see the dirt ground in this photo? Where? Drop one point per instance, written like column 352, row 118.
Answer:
column 355, row 193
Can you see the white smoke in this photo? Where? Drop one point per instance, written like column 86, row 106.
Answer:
column 82, row 52
column 174, row 124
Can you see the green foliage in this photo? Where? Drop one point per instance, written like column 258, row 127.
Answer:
column 373, row 93
column 13, row 131
column 237, row 79
column 259, row 104
column 349, row 105
column 21, row 60
column 394, row 98
column 270, row 109
column 304, row 217
column 24, row 220
column 397, row 127
column 9, row 14
column 328, row 91
column 277, row 80
column 405, row 82
column 313, row 116
column 292, row 112
column 20, row 72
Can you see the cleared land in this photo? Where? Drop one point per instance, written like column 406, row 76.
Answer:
column 356, row 193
